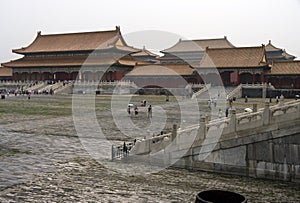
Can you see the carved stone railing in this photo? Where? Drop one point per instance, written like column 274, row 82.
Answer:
column 63, row 87
column 235, row 93
column 246, row 122
column 24, row 84
column 204, row 89
column 36, row 86
column 254, row 85
column 152, row 144
column 249, row 117
column 52, row 86
column 218, row 123
column 196, row 85
column 104, row 83
column 258, row 85
column 12, row 82
column 285, row 112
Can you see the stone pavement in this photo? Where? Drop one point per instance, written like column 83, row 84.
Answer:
column 42, row 160
column 84, row 180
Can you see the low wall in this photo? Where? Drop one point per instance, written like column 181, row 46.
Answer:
column 287, row 93
column 271, row 158
column 252, row 92
column 261, row 92
column 162, row 91
column 264, row 144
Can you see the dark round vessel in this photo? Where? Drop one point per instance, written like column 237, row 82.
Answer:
column 219, row 196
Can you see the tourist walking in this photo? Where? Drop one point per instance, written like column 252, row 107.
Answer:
column 149, row 111
column 128, row 110
column 215, row 102
column 144, row 103
column 226, row 112
column 208, row 103
column 220, row 113
column 125, row 149
column 281, row 99
column 136, row 110
column 29, row 93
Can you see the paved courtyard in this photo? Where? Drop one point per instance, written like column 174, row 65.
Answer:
column 43, row 160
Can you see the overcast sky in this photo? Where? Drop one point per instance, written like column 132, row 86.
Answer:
column 244, row 22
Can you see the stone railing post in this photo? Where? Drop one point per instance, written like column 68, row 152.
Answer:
column 174, row 133
column 112, row 153
column 264, row 91
column 254, row 107
column 266, row 114
column 207, row 118
column 298, row 109
column 233, row 120
column 202, row 129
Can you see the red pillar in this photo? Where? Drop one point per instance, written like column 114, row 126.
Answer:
column 262, row 77
column 253, row 78
column 23, row 76
column 203, row 78
column 198, row 78
column 294, row 83
column 238, row 78
column 14, row 76
column 279, row 82
column 297, row 83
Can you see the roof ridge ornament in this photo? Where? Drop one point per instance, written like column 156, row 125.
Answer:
column 39, row 33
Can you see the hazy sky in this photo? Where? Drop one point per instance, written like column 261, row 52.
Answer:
column 244, row 22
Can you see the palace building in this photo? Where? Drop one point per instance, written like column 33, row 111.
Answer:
column 219, row 62
column 162, row 75
column 145, row 55
column 5, row 73
column 104, row 56
column 277, row 54
column 284, row 74
column 235, row 65
column 191, row 51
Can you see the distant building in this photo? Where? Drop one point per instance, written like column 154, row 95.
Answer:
column 277, row 54
column 5, row 74
column 284, row 74
column 60, row 57
column 235, row 65
column 145, row 55
column 191, row 51
column 162, row 75
column 104, row 55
